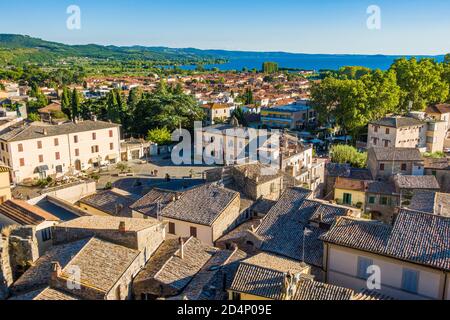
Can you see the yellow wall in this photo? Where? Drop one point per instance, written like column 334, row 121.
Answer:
column 357, row 196
column 5, row 188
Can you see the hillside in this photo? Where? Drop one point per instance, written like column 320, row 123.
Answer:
column 20, row 49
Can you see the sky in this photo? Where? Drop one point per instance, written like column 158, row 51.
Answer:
column 408, row 27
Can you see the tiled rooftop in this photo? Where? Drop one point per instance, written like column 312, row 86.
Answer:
column 431, row 202
column 114, row 202
column 202, row 205
column 415, row 237
column 416, row 182
column 397, row 154
column 108, row 223
column 282, row 229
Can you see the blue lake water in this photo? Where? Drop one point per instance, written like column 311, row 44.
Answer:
column 309, row 62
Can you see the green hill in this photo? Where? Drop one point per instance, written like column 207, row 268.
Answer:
column 21, row 49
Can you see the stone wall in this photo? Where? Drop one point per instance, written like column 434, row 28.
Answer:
column 149, row 238
column 18, row 250
column 6, row 276
column 23, row 249
column 227, row 220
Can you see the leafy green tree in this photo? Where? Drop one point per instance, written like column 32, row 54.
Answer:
column 34, row 117
column 159, row 136
column 66, row 102
column 421, row 82
column 348, row 154
column 270, row 67
column 75, row 104
column 353, row 72
column 240, row 116
column 163, row 109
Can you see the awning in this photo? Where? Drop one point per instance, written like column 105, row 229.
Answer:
column 112, row 157
column 41, row 169
column 95, row 160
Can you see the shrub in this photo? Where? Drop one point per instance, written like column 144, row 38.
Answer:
column 348, row 154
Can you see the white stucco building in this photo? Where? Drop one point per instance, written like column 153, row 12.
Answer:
column 37, row 150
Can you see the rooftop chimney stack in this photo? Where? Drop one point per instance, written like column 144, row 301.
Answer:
column 122, row 226
column 56, row 270
column 44, row 131
column 181, row 248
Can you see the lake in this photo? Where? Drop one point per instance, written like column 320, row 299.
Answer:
column 308, row 62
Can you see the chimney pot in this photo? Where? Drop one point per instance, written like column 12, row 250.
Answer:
column 181, row 248
column 56, row 270
column 122, row 226
column 44, row 131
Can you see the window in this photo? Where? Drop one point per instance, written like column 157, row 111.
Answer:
column 46, row 234
column 171, row 228
column 403, row 168
column 236, row 296
column 77, row 152
column 347, row 198
column 386, row 143
column 410, row 280
column 194, row 232
column 375, row 129
column 384, row 201
column 363, row 265
column 381, row 166
column 111, row 146
column 41, row 158
column 59, row 169
column 39, row 144
column 56, row 142
column 22, row 162
column 111, row 133
column 387, row 130
column 372, row 200
column 20, row 147
column 75, row 139
column 3, row 146
column 57, row 156
column 94, row 149
column 94, row 136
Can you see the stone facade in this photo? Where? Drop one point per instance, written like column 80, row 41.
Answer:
column 148, row 239
column 227, row 220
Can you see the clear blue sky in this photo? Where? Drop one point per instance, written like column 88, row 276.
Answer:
column 310, row 26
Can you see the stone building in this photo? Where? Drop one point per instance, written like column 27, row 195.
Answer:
column 94, row 258
column 206, row 212
column 414, row 131
column 386, row 162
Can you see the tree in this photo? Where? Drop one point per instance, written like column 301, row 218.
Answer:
column 247, row 97
column 240, row 116
column 159, row 136
column 34, row 117
column 164, row 109
column 270, row 67
column 66, row 102
column 421, row 82
column 348, row 154
column 447, row 58
column 75, row 104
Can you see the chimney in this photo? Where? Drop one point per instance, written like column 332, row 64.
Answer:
column 181, row 248
column 56, row 270
column 94, row 118
column 122, row 226
column 44, row 131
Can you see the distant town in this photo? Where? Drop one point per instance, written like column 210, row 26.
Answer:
column 93, row 207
